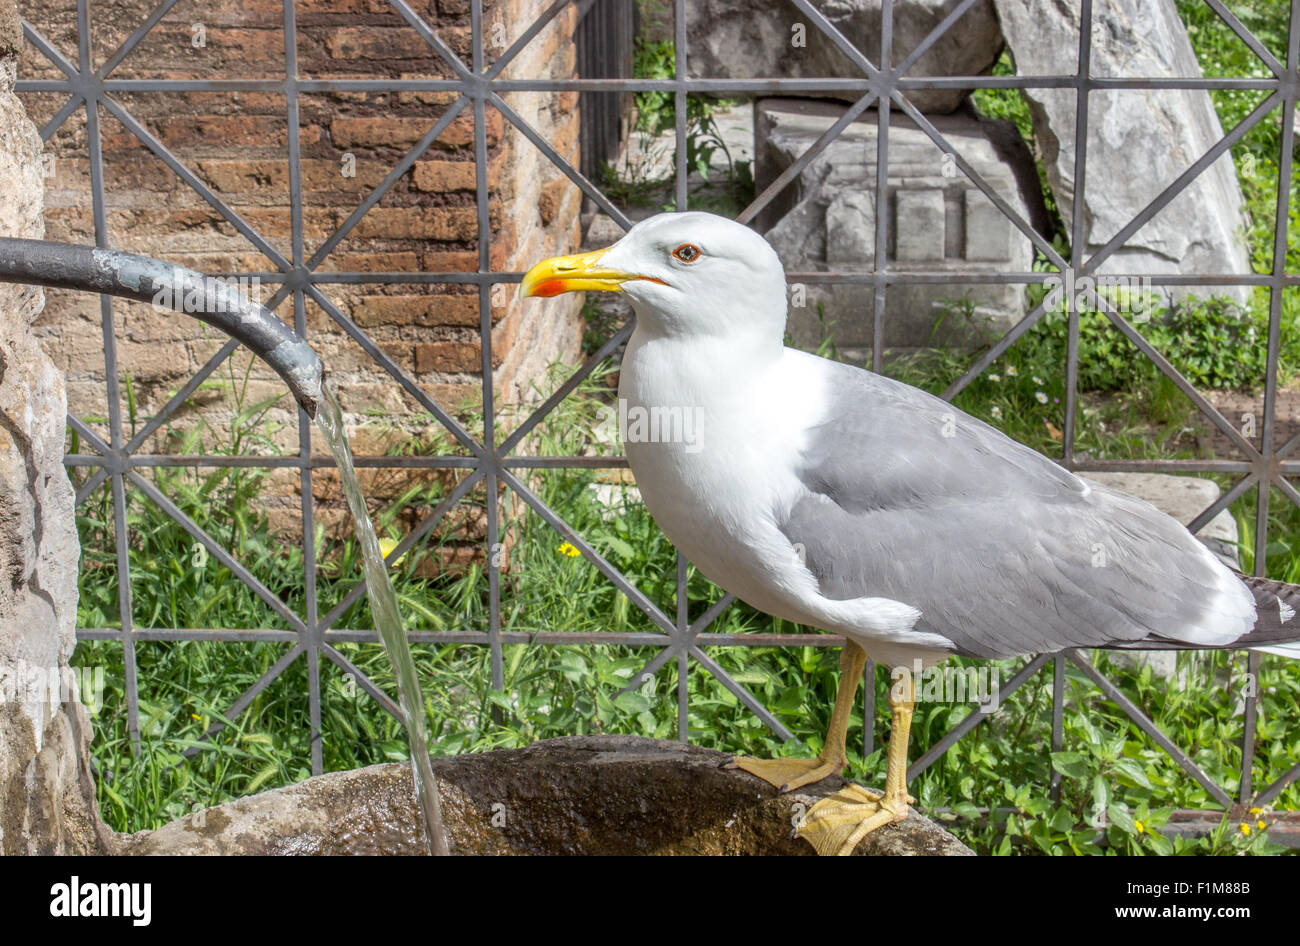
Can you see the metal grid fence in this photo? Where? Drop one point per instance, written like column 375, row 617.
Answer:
column 312, row 635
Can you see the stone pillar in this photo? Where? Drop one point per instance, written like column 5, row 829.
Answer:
column 47, row 798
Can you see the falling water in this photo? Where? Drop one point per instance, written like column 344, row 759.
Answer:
column 388, row 620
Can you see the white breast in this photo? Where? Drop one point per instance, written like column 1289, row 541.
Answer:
column 719, row 499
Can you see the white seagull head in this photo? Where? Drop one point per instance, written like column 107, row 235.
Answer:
column 687, row 274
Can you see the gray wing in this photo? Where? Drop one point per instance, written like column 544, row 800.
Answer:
column 1003, row 551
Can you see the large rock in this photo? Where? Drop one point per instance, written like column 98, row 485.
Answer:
column 577, row 795
column 740, row 39
column 939, row 222
column 1139, row 141
column 47, row 799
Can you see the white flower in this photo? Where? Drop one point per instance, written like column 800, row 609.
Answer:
column 996, row 412
column 1038, row 380
column 1011, row 371
column 995, row 377
column 1041, row 397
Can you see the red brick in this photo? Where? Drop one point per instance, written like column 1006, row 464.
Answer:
column 450, row 262
column 381, row 132
column 419, row 223
column 370, row 263
column 444, row 176
column 423, row 310
column 462, row 357
column 460, row 133
column 552, row 197
column 372, row 42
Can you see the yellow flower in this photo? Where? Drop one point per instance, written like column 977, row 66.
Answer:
column 569, row 550
column 1260, row 824
column 1256, row 811
column 386, row 547
column 1245, row 829
column 1141, row 828
column 196, row 717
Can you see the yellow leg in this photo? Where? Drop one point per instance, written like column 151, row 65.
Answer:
column 837, row 823
column 789, row 774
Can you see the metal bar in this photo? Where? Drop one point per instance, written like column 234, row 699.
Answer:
column 996, row 351
column 882, row 193
column 974, row 718
column 1270, row 794
column 116, row 57
column 759, row 86
column 526, row 37
column 544, row 409
column 384, row 186
column 73, row 103
column 740, row 693
column 681, row 170
column 1078, row 229
column 1289, row 491
column 794, row 170
column 572, row 173
column 649, row 670
column 379, row 696
column 1247, row 37
column 48, row 50
column 180, row 397
column 1179, row 185
column 147, row 138
column 95, row 441
column 1058, row 722
column 683, row 660
column 1223, row 502
column 408, row 383
column 839, row 39
column 1251, row 700
column 683, row 697
column 1176, row 376
column 1020, row 223
column 122, row 549
column 431, row 37
column 246, row 698
column 88, row 488
column 220, row 554
column 358, row 590
column 1144, row 723
column 926, row 44
column 908, row 277
column 693, row 635
column 634, row 594
column 311, row 633
column 494, row 546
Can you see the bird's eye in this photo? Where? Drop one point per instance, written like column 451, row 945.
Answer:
column 688, row 253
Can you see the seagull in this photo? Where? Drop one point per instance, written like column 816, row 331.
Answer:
column 835, row 497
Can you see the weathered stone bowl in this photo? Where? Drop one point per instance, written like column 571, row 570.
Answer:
column 578, row 795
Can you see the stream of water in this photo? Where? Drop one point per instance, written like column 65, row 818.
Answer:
column 388, row 621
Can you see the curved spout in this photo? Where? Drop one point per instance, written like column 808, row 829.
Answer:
column 210, row 300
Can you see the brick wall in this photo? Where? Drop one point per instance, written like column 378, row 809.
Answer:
column 237, row 144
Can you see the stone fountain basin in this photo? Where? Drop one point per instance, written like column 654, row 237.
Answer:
column 576, row 795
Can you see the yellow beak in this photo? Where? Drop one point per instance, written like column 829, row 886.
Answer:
column 573, row 274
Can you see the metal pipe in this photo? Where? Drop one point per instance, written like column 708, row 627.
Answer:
column 165, row 286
